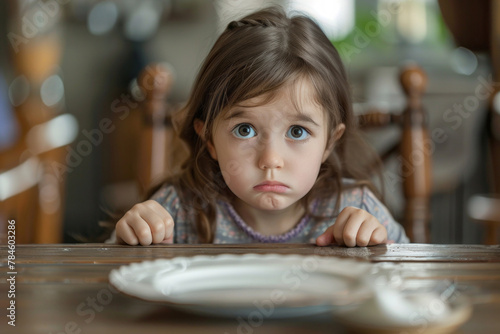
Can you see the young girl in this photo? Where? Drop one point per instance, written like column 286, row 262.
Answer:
column 270, row 128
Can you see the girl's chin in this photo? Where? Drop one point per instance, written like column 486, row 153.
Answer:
column 272, row 202
column 267, row 202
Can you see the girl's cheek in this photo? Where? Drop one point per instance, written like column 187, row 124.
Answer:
column 244, row 150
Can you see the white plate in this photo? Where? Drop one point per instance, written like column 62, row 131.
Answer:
column 431, row 315
column 275, row 286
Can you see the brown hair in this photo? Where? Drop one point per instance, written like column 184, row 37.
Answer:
column 257, row 56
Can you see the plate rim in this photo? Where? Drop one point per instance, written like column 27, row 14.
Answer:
column 114, row 275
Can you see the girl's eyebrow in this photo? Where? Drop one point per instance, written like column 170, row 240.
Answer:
column 234, row 114
column 298, row 117
column 305, row 118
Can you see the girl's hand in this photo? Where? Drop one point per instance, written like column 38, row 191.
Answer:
column 354, row 227
column 147, row 222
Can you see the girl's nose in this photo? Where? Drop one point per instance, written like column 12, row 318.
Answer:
column 270, row 158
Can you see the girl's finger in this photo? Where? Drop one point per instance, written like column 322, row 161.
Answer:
column 351, row 228
column 166, row 220
column 169, row 240
column 169, row 230
column 125, row 234
column 340, row 222
column 365, row 232
column 326, row 238
column 379, row 236
column 156, row 227
column 143, row 233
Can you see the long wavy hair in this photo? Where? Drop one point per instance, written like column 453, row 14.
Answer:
column 256, row 56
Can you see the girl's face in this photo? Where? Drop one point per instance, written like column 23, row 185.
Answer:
column 270, row 154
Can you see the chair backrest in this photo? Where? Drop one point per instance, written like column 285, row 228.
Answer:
column 157, row 136
column 33, row 169
column 414, row 152
column 477, row 27
column 32, row 175
column 18, row 200
column 413, row 148
column 485, row 209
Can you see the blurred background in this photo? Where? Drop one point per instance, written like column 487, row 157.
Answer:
column 70, row 114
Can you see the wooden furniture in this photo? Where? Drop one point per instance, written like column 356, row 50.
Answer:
column 493, row 225
column 19, row 198
column 64, row 288
column 413, row 150
column 33, row 170
column 30, row 188
column 489, row 204
column 156, row 150
column 485, row 209
column 139, row 153
column 477, row 27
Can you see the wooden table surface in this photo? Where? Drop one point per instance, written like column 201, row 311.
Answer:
column 64, row 288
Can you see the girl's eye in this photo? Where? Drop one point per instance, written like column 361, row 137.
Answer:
column 297, row 132
column 244, row 131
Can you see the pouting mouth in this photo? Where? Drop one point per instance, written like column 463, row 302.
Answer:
column 271, row 186
column 271, row 183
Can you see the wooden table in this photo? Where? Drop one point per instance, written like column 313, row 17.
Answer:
column 64, row 288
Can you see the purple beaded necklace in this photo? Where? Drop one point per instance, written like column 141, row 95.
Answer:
column 270, row 238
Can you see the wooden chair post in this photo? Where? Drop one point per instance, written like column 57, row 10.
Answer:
column 476, row 26
column 493, row 226
column 155, row 82
column 416, row 156
column 36, row 61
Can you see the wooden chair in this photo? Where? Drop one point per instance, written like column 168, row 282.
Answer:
column 156, row 154
column 33, row 170
column 138, row 153
column 485, row 209
column 413, row 149
column 18, row 199
column 31, row 187
column 476, row 26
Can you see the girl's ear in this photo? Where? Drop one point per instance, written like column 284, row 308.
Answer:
column 199, row 125
column 335, row 136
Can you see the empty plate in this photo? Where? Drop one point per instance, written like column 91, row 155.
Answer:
column 276, row 286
